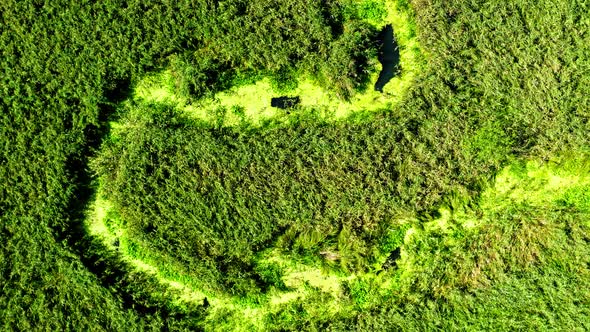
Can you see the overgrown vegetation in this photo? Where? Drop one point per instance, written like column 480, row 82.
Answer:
column 505, row 82
column 280, row 37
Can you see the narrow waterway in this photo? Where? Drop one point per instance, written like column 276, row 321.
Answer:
column 388, row 56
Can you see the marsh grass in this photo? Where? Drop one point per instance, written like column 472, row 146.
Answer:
column 521, row 223
column 248, row 100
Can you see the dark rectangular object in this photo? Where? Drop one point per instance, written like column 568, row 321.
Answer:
column 285, row 102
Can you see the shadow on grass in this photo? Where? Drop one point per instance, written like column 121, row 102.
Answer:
column 285, row 102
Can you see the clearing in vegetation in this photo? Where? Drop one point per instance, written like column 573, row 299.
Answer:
column 148, row 182
column 280, row 261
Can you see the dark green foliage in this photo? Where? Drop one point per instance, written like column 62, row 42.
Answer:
column 524, row 268
column 59, row 69
column 346, row 69
column 513, row 75
column 201, row 193
column 61, row 72
column 271, row 274
column 302, row 315
column 284, row 80
column 309, row 37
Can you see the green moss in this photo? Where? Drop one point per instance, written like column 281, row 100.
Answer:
column 252, row 99
column 457, row 237
column 450, row 250
column 577, row 196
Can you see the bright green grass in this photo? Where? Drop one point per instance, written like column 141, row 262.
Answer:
column 251, row 102
column 299, row 278
column 560, row 183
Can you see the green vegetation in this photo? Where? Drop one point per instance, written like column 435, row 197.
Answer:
column 536, row 213
column 247, row 101
column 146, row 184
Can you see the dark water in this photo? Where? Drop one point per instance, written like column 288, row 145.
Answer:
column 391, row 260
column 388, row 56
column 285, row 102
